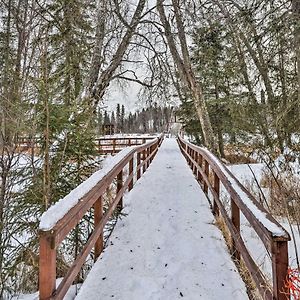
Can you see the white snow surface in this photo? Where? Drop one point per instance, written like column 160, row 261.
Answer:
column 57, row 211
column 167, row 246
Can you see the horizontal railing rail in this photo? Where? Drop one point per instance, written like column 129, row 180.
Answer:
column 136, row 162
column 111, row 145
column 104, row 145
column 211, row 174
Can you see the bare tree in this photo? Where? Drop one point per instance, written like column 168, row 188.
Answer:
column 182, row 60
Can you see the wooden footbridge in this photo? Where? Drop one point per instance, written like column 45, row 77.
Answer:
column 178, row 252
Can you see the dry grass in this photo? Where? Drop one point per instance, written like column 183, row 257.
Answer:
column 242, row 269
column 284, row 195
column 239, row 154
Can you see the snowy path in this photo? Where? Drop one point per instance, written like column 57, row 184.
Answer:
column 166, row 247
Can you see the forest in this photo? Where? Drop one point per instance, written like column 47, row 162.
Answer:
column 227, row 71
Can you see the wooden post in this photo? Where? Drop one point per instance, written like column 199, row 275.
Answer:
column 47, row 267
column 188, row 157
column 148, row 155
column 217, row 190
column 280, row 269
column 138, row 161
column 114, row 146
column 130, row 186
column 206, row 171
column 119, row 187
column 200, row 160
column 144, row 157
column 98, row 213
column 195, row 165
column 235, row 218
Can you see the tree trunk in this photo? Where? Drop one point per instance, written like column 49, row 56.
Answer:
column 183, row 64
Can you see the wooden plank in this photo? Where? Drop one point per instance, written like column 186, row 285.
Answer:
column 138, row 162
column 280, row 269
column 217, row 190
column 119, row 187
column 47, row 267
column 98, row 213
column 235, row 219
column 130, row 173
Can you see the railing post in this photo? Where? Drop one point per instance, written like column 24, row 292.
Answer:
column 217, row 190
column 280, row 269
column 130, row 186
column 206, row 171
column 144, row 158
column 47, row 266
column 98, row 213
column 148, row 154
column 119, row 187
column 138, row 162
column 188, row 157
column 200, row 165
column 196, row 160
column 114, row 146
column 235, row 218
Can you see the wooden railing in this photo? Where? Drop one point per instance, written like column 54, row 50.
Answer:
column 111, row 145
column 104, row 145
column 136, row 162
column 211, row 174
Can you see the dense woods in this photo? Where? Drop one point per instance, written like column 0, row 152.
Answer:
column 229, row 69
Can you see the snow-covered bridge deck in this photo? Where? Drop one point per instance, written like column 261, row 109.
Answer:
column 167, row 246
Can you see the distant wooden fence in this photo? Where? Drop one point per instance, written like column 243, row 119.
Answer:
column 104, row 145
column 111, row 145
column 136, row 161
column 210, row 174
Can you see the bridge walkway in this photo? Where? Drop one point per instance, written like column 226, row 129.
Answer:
column 166, row 246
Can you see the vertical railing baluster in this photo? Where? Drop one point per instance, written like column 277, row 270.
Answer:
column 119, row 187
column 200, row 160
column 235, row 218
column 114, row 146
column 217, row 190
column 206, row 171
column 148, row 155
column 138, row 162
column 130, row 186
column 195, row 164
column 279, row 269
column 144, row 158
column 47, row 266
column 98, row 213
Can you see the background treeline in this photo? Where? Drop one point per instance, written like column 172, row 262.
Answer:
column 153, row 119
column 245, row 56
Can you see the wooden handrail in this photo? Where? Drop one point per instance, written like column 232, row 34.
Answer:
column 107, row 145
column 211, row 173
column 104, row 145
column 51, row 238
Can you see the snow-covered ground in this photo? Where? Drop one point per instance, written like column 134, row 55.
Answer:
column 167, row 246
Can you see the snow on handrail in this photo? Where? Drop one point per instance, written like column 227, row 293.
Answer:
column 58, row 210
column 275, row 229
